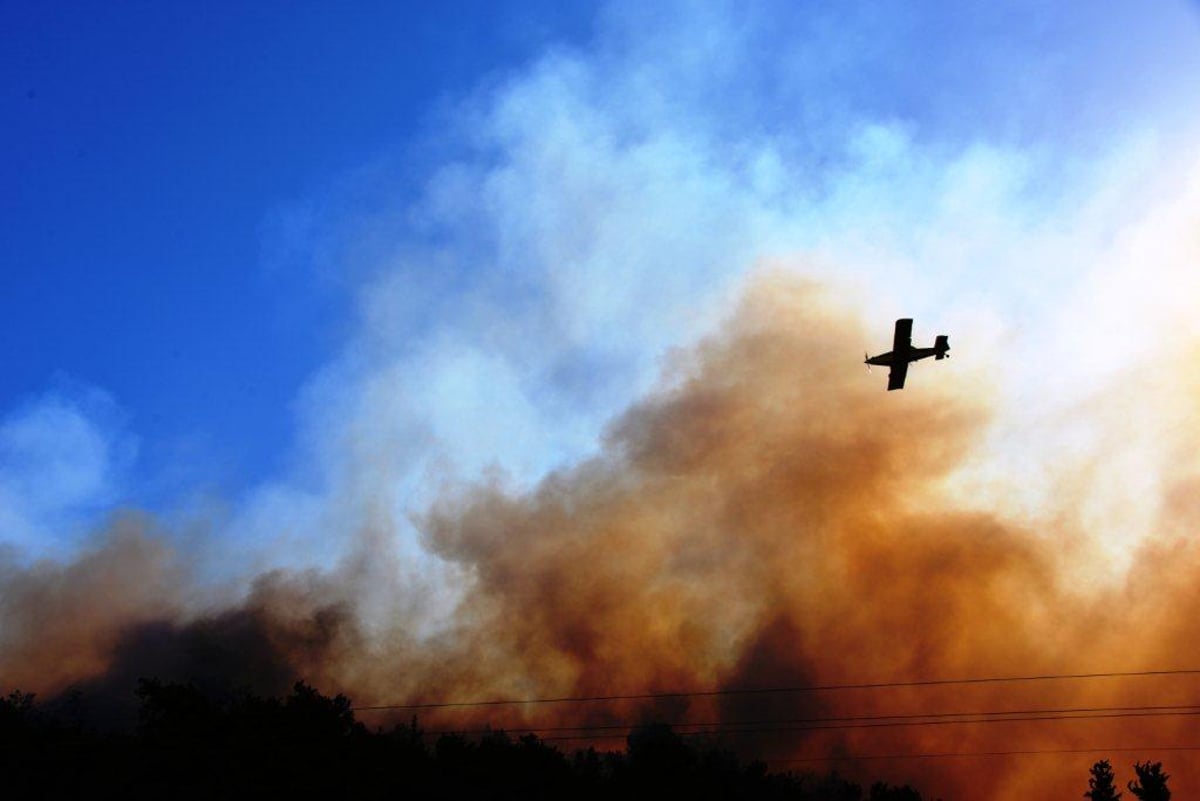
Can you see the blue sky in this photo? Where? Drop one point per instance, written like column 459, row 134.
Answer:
column 284, row 266
column 148, row 148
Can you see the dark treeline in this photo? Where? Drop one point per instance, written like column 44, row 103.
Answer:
column 188, row 744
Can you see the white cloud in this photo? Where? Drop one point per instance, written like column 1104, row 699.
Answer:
column 63, row 456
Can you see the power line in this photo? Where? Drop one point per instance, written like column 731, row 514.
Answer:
column 967, row 754
column 867, row 721
column 773, row 690
column 780, row 729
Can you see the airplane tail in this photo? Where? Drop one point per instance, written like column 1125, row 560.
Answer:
column 941, row 345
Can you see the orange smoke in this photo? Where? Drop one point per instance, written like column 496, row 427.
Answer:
column 775, row 519
column 770, row 518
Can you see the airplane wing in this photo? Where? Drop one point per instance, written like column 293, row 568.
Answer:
column 897, row 374
column 902, row 340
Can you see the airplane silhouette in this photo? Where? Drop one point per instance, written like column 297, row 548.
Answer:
column 903, row 353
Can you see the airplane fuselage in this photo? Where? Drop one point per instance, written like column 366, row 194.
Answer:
column 902, row 357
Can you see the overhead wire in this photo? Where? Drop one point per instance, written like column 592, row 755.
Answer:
column 1144, row 749
column 620, row 730
column 859, row 721
column 648, row 696
column 803, row 727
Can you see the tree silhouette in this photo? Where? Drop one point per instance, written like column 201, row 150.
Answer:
column 881, row 791
column 195, row 742
column 15, row 713
column 1101, row 785
column 1151, row 784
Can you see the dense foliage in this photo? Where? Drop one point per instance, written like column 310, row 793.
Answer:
column 188, row 745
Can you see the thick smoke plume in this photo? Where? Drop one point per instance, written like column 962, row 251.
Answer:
column 770, row 518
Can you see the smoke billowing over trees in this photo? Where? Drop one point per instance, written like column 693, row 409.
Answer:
column 762, row 520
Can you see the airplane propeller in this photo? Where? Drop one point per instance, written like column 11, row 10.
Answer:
column 866, row 358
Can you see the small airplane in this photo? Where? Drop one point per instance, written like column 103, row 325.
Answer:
column 903, row 352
